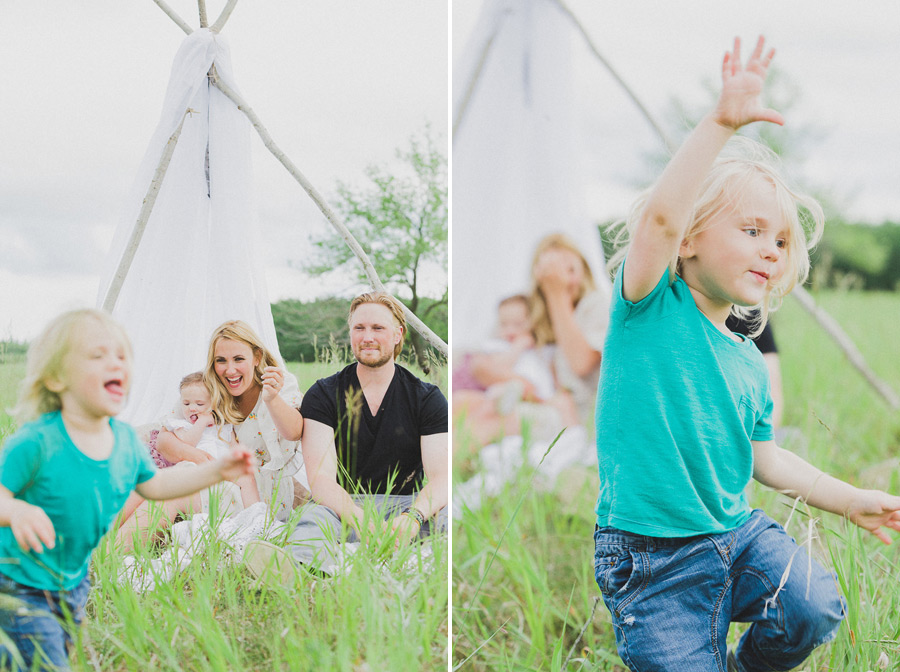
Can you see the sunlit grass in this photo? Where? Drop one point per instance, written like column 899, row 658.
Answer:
column 388, row 612
column 526, row 610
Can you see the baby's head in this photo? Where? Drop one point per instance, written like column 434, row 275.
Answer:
column 195, row 397
column 514, row 318
column 82, row 357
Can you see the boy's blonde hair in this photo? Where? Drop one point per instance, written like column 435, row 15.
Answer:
column 46, row 360
column 224, row 405
column 540, row 316
column 388, row 302
column 743, row 161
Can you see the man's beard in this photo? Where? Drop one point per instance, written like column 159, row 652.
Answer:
column 374, row 361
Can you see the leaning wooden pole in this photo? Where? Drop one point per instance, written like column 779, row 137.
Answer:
column 460, row 112
column 828, row 323
column 430, row 337
column 833, row 329
column 631, row 94
column 115, row 285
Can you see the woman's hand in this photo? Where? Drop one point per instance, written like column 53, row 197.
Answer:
column 739, row 103
column 273, row 381
column 553, row 276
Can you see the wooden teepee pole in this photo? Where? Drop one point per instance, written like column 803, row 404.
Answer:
column 833, row 329
column 828, row 323
column 460, row 112
column 115, row 285
column 430, row 337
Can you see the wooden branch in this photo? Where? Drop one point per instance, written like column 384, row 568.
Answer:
column 833, row 329
column 460, row 113
column 670, row 145
column 317, row 198
column 204, row 20
column 223, row 17
column 174, row 16
column 115, row 285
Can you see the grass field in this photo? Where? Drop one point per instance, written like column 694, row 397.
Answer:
column 387, row 613
column 524, row 596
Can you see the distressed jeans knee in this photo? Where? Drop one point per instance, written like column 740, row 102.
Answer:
column 673, row 600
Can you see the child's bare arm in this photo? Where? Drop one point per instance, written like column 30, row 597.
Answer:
column 171, row 447
column 784, row 471
column 667, row 213
column 30, row 525
column 172, row 483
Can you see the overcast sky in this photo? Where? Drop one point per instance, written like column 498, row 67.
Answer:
column 340, row 85
column 843, row 57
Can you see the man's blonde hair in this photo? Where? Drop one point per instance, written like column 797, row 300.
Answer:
column 391, row 304
column 724, row 188
column 46, row 360
column 224, row 405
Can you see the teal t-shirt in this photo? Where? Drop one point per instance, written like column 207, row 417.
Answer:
column 82, row 496
column 677, row 407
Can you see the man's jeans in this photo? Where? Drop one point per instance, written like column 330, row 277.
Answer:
column 672, row 600
column 39, row 623
column 316, row 541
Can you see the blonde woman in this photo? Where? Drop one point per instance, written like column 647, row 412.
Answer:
column 261, row 400
column 568, row 316
column 252, row 392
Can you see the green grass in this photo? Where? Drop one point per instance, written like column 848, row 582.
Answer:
column 521, row 603
column 387, row 613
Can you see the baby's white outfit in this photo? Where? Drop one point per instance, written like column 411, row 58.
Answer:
column 213, row 441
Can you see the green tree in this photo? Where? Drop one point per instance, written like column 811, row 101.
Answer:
column 401, row 222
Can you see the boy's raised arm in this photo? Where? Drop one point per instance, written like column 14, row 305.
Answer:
column 669, row 208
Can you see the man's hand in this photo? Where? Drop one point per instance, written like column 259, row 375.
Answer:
column 32, row 528
column 404, row 530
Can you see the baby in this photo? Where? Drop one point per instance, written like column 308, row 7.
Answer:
column 514, row 351
column 198, row 429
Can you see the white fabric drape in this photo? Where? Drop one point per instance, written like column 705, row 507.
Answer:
column 195, row 266
column 517, row 169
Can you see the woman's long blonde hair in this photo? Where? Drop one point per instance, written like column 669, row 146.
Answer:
column 540, row 316
column 223, row 403
column 46, row 360
column 743, row 161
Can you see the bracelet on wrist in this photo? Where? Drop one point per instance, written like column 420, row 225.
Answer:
column 415, row 514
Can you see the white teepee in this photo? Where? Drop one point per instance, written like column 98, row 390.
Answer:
column 517, row 167
column 182, row 259
column 196, row 265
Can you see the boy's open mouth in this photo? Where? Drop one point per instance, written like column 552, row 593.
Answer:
column 115, row 387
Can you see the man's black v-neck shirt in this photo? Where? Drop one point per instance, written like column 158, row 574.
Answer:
column 373, row 449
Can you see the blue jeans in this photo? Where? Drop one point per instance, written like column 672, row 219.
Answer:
column 672, row 600
column 40, row 623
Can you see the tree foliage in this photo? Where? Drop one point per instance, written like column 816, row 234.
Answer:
column 309, row 332
column 401, row 222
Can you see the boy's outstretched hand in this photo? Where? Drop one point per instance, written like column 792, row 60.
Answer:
column 739, row 103
column 873, row 510
column 234, row 465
